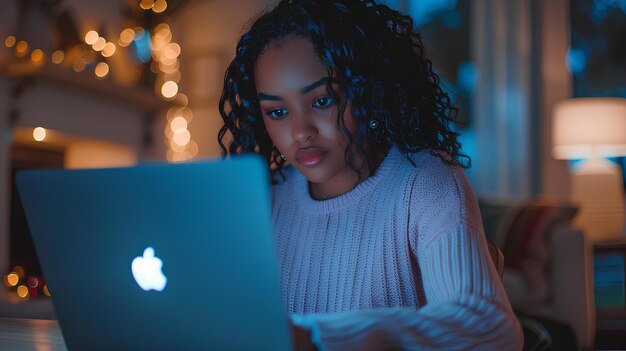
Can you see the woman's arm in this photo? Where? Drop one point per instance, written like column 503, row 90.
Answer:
column 466, row 308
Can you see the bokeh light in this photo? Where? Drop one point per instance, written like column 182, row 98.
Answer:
column 182, row 138
column 102, row 69
column 22, row 291
column 126, row 37
column 21, row 48
column 9, row 41
column 169, row 89
column 12, row 279
column 178, row 124
column 99, row 44
column 36, row 56
column 146, row 4
column 108, row 50
column 39, row 134
column 58, row 57
column 159, row 6
column 91, row 37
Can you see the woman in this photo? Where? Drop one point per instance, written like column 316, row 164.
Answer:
column 378, row 234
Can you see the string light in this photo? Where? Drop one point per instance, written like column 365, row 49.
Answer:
column 159, row 6
column 102, row 69
column 21, row 48
column 46, row 291
column 108, row 50
column 12, row 279
column 178, row 123
column 39, row 134
column 146, row 4
column 58, row 56
column 169, row 89
column 182, row 138
column 9, row 41
column 165, row 64
column 36, row 55
column 22, row 291
column 91, row 37
column 99, row 44
column 126, row 37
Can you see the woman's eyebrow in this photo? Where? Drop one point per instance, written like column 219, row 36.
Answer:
column 306, row 89
column 312, row 86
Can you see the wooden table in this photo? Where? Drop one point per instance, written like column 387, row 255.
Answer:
column 20, row 334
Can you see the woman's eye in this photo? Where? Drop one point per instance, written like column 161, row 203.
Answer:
column 323, row 101
column 278, row 113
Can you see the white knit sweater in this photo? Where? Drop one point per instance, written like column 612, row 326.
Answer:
column 399, row 262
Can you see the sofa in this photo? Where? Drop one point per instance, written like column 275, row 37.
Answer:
column 548, row 267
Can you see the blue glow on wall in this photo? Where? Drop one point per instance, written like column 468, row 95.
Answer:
column 422, row 11
column 467, row 76
column 601, row 8
column 142, row 47
column 576, row 60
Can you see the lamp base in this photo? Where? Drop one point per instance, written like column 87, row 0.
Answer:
column 598, row 188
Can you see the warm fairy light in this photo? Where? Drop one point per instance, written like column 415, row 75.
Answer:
column 102, row 69
column 22, row 291
column 91, row 37
column 79, row 65
column 178, row 124
column 139, row 33
column 99, row 44
column 182, row 138
column 169, row 89
column 159, row 6
column 9, row 41
column 46, row 291
column 161, row 27
column 126, row 37
column 171, row 51
column 58, row 56
column 13, row 279
column 146, row 4
column 21, row 48
column 39, row 134
column 36, row 55
column 175, row 147
column 162, row 33
column 108, row 50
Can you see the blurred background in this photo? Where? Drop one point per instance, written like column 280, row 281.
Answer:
column 95, row 83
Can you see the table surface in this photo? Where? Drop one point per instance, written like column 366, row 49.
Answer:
column 21, row 334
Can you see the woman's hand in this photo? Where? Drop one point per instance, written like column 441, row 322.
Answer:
column 301, row 339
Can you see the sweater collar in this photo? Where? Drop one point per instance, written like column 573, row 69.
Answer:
column 311, row 205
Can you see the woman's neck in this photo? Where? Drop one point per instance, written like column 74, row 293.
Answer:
column 343, row 182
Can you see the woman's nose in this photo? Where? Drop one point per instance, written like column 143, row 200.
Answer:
column 302, row 128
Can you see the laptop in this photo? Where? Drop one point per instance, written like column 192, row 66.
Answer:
column 159, row 256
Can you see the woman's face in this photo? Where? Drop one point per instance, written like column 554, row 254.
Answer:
column 300, row 115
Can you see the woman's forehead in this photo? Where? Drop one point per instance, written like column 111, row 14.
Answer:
column 288, row 67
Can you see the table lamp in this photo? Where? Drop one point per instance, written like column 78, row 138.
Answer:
column 594, row 128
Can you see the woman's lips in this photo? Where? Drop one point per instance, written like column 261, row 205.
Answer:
column 310, row 157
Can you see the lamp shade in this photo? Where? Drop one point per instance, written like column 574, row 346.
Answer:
column 588, row 127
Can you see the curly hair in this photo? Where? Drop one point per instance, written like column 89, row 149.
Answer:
column 380, row 64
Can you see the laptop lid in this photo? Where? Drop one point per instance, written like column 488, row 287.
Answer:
column 100, row 233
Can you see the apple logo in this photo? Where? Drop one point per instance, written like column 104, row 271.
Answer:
column 147, row 271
